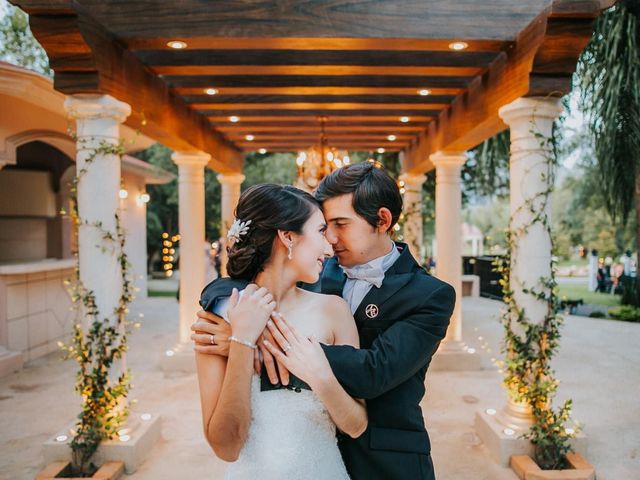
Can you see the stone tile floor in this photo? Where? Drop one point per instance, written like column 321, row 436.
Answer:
column 598, row 365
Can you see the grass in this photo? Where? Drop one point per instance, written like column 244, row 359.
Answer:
column 578, row 263
column 161, row 293
column 577, row 291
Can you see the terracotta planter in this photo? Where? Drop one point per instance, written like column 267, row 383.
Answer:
column 526, row 469
column 108, row 471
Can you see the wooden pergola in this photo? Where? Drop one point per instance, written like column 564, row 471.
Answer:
column 427, row 78
column 432, row 74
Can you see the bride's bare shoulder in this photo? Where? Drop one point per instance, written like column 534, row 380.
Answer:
column 328, row 304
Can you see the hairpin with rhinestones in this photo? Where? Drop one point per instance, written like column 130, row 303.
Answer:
column 237, row 230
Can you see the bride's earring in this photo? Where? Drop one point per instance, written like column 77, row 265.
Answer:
column 290, row 256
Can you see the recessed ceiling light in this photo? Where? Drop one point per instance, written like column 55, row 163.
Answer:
column 250, row 138
column 404, row 119
column 177, row 44
column 458, row 45
column 234, row 119
column 211, row 91
column 380, row 150
column 391, row 138
column 262, row 151
column 424, row 92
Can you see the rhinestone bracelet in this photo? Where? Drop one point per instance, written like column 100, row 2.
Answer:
column 243, row 342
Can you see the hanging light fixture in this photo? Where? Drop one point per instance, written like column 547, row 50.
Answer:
column 318, row 161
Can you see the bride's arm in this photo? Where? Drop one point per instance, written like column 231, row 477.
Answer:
column 225, row 389
column 307, row 361
column 225, row 384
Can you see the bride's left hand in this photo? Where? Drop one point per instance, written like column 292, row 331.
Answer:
column 302, row 356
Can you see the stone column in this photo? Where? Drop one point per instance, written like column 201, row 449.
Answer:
column 453, row 354
column 412, row 209
column 98, row 119
column 230, row 183
column 191, row 223
column 530, row 121
column 448, row 231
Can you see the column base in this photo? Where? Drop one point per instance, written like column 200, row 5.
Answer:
column 140, row 435
column 10, row 361
column 179, row 359
column 455, row 356
column 503, row 441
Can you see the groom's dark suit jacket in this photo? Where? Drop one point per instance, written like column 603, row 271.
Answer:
column 389, row 368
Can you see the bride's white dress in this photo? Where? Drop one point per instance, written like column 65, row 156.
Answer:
column 291, row 437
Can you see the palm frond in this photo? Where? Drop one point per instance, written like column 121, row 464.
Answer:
column 609, row 77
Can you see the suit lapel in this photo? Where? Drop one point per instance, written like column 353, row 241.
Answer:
column 333, row 278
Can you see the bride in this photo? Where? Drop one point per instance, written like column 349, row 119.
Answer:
column 277, row 241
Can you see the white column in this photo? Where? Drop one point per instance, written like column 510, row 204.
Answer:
column 412, row 209
column 98, row 119
column 530, row 121
column 191, row 223
column 448, row 231
column 230, row 194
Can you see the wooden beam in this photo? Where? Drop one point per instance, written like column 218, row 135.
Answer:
column 345, row 120
column 373, row 19
column 317, row 43
column 84, row 55
column 323, row 112
column 295, row 80
column 473, row 117
column 413, row 99
column 257, row 127
column 190, row 57
column 313, row 136
column 316, row 91
column 238, row 107
column 314, row 70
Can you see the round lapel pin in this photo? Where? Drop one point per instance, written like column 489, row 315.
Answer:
column 371, row 311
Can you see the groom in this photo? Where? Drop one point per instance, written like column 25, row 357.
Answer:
column 401, row 314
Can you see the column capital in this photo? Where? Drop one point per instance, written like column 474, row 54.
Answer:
column 231, row 178
column 195, row 158
column 413, row 179
column 448, row 159
column 529, row 108
column 95, row 107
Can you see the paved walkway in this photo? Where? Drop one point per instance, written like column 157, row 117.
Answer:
column 598, row 367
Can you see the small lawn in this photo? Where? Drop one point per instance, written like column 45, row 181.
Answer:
column 161, row 293
column 580, row 291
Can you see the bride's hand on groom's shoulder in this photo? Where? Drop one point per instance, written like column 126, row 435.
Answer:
column 248, row 313
column 302, row 356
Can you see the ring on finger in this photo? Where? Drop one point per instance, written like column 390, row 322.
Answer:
column 286, row 348
column 211, row 340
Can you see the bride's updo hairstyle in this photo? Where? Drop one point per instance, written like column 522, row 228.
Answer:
column 270, row 208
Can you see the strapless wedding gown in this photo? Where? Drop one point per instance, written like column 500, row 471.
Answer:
column 291, row 437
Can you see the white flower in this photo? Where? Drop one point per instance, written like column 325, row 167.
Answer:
column 237, row 230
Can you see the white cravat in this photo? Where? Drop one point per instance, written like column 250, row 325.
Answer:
column 361, row 278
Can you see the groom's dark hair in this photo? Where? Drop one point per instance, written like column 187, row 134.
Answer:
column 372, row 189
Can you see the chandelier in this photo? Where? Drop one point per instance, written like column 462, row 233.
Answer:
column 318, row 161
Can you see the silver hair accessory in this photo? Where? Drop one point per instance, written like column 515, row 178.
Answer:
column 237, row 230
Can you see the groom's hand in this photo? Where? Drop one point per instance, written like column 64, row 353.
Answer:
column 211, row 334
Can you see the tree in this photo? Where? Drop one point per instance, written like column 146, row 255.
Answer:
column 18, row 46
column 609, row 75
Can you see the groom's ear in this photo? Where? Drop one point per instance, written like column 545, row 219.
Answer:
column 384, row 220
